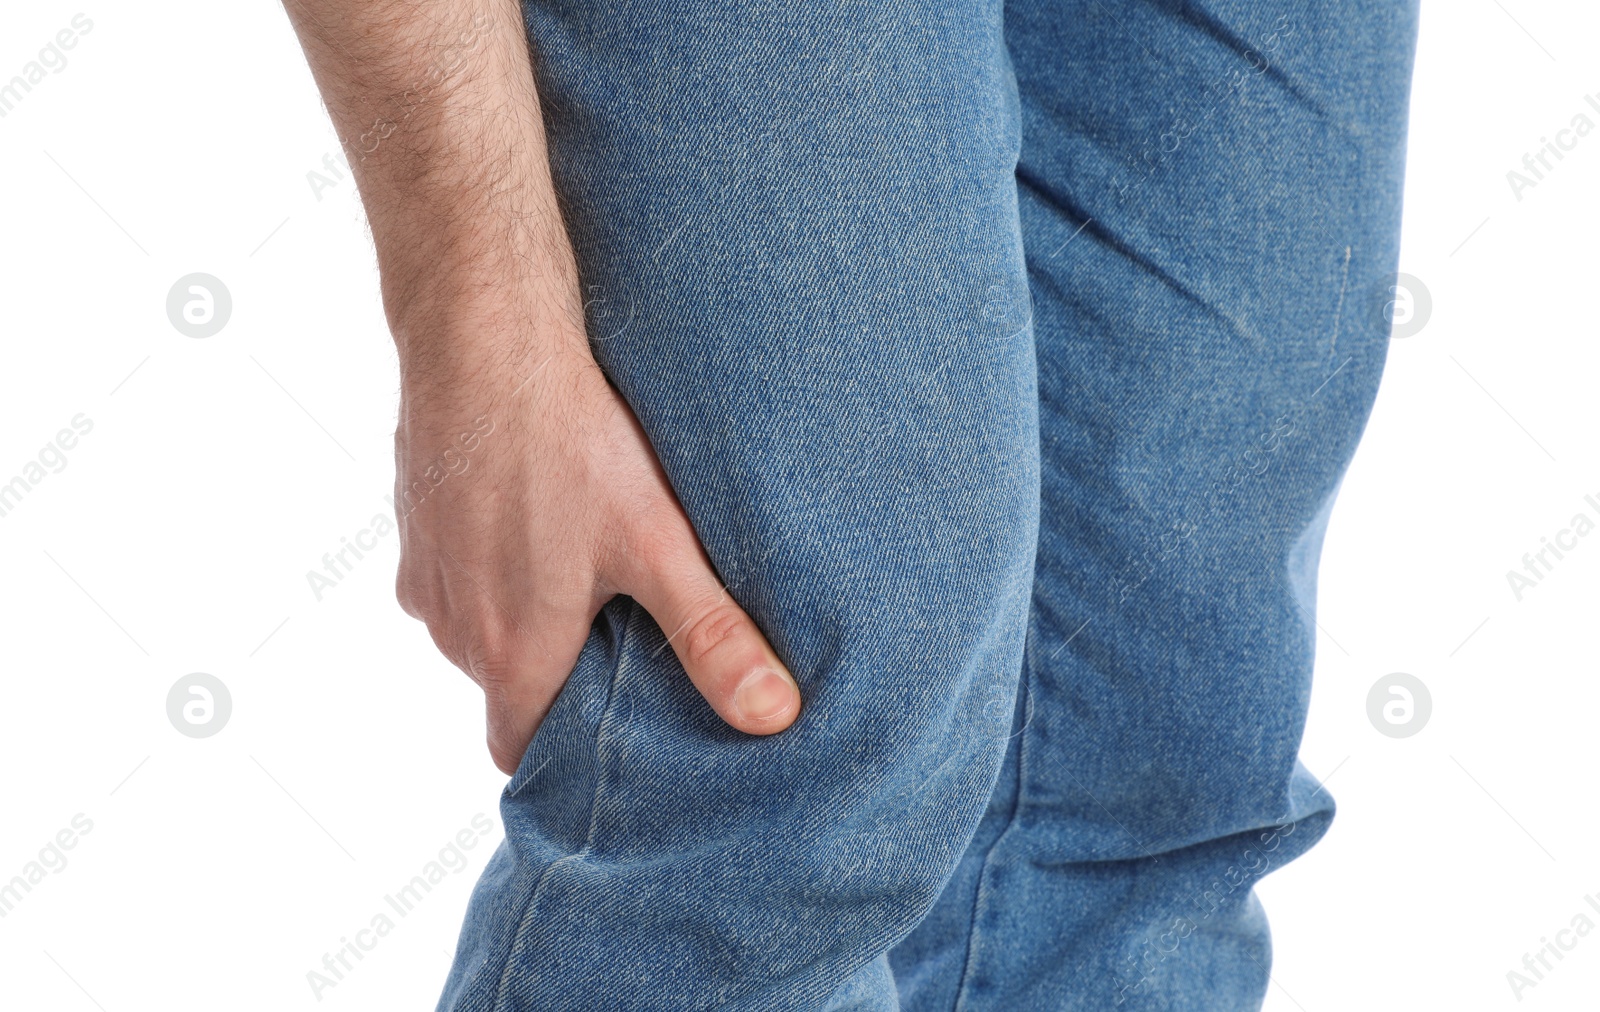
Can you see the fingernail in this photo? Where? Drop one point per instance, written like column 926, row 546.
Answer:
column 763, row 694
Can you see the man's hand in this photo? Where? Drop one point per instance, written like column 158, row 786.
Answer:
column 527, row 493
column 519, row 522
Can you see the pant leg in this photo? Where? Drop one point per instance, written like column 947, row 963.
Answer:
column 1210, row 196
column 798, row 227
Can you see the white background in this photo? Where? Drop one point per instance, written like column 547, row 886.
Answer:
column 218, row 472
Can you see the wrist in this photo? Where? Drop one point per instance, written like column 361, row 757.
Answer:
column 468, row 365
column 472, row 300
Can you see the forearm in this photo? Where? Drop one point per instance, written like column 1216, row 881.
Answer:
column 434, row 102
column 509, row 566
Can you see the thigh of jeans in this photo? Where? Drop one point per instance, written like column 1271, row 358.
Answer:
column 1210, row 197
column 797, row 228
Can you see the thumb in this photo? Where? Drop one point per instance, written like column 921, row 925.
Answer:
column 721, row 648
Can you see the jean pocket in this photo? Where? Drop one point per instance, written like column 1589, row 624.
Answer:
column 564, row 744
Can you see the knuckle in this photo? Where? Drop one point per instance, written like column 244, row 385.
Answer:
column 473, row 646
column 487, row 651
column 444, row 637
column 415, row 590
column 506, row 757
column 410, row 602
column 644, row 550
column 714, row 627
column 490, row 665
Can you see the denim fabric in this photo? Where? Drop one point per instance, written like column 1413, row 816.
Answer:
column 1007, row 359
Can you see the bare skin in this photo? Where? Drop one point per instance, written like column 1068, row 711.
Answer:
column 528, row 495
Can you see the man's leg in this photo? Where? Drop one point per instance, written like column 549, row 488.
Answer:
column 798, row 227
column 1210, row 201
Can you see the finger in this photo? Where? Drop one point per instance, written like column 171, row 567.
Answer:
column 521, row 675
column 513, row 711
column 721, row 648
column 521, row 667
column 513, row 707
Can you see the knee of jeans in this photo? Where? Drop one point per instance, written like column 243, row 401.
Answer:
column 1207, row 880
column 1157, row 788
column 647, row 833
column 908, row 664
column 908, row 694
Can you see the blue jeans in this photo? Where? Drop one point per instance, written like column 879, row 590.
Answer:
column 1007, row 358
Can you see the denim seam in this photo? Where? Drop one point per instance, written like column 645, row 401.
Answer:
column 980, row 894
column 594, row 808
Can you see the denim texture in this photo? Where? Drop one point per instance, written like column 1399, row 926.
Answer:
column 1007, row 359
